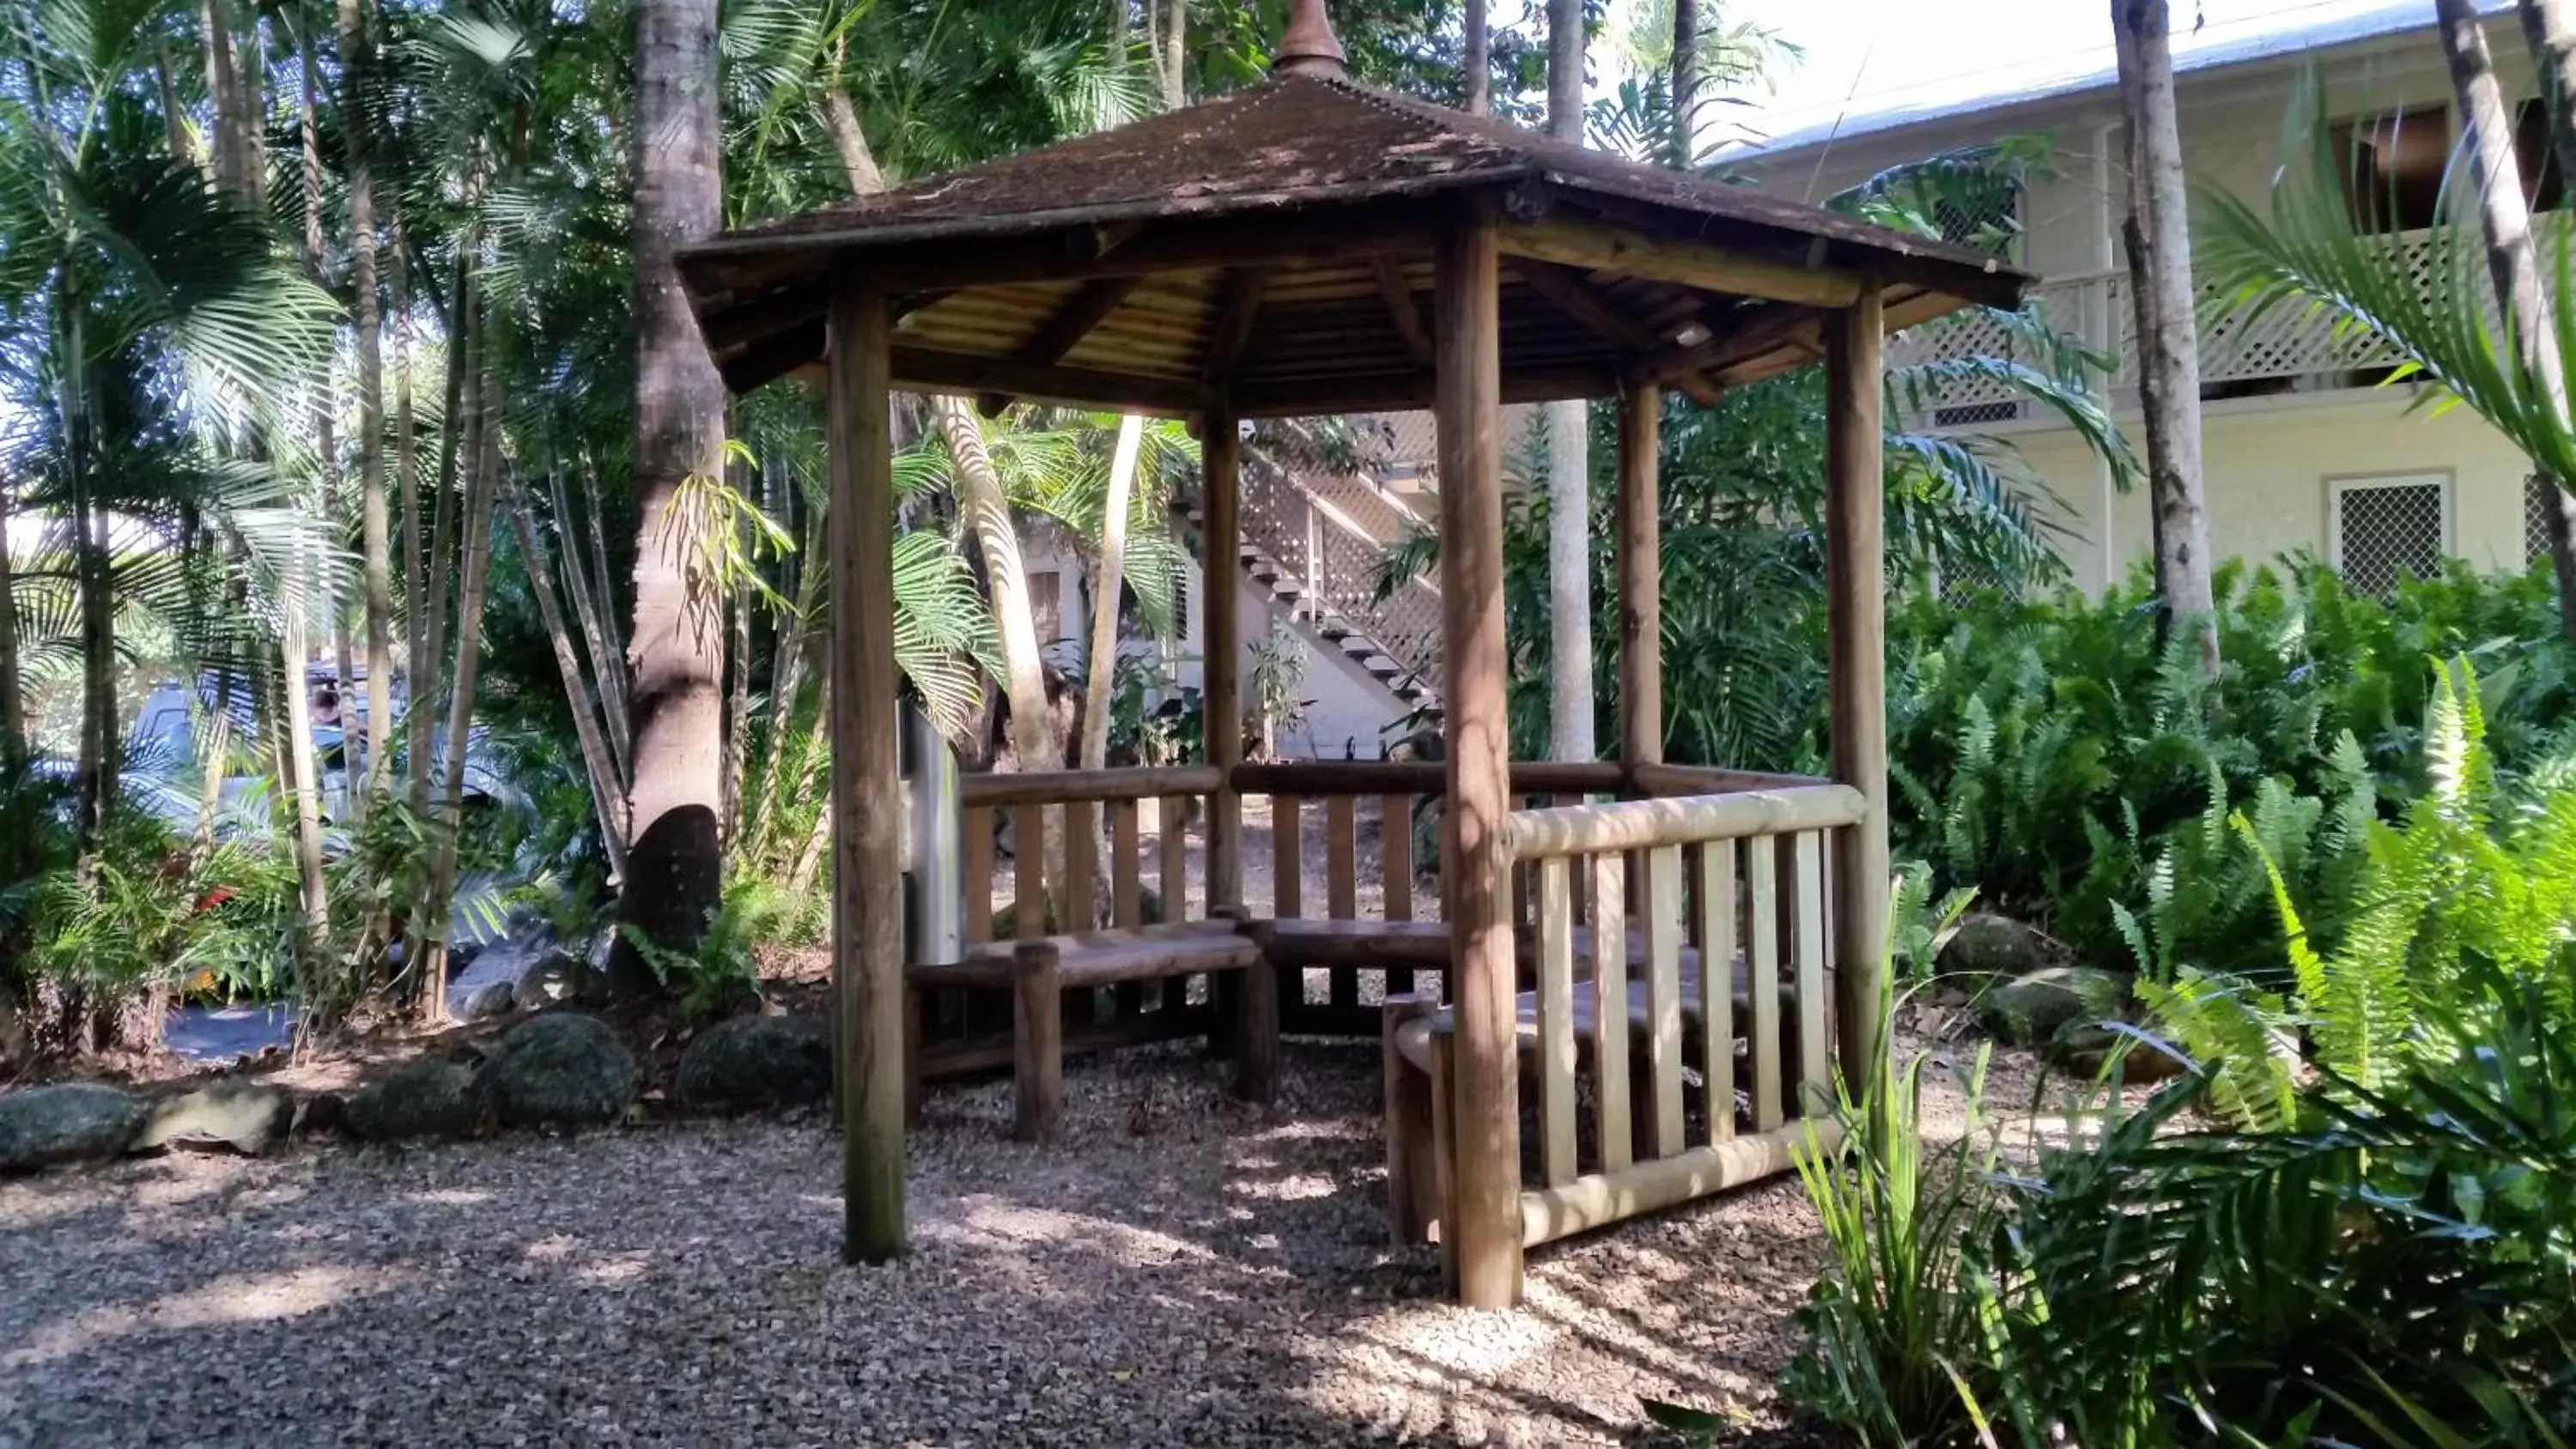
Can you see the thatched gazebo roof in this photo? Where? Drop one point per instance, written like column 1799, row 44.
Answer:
column 1273, row 245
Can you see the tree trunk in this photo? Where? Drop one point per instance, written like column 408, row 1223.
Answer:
column 325, row 418
column 1569, row 492
column 375, row 523
column 1175, row 52
column 675, row 860
column 1685, row 82
column 296, row 750
column 612, row 706
column 605, row 793
column 474, row 571
column 857, row 161
column 458, row 436
column 415, row 552
column 2159, row 238
column 1478, row 61
column 13, row 700
column 2549, row 26
column 985, row 509
column 1101, row 666
column 621, row 727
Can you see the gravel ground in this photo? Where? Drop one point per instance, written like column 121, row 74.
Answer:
column 1181, row 1270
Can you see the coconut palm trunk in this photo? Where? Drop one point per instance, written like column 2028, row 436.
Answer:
column 13, row 700
column 675, row 860
column 1478, row 60
column 2158, row 233
column 1685, row 81
column 1107, row 582
column 1569, row 493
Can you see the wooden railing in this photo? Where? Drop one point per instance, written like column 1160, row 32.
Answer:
column 1155, row 869
column 1338, row 799
column 1742, row 878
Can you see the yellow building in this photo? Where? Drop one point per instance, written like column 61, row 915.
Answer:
column 2303, row 448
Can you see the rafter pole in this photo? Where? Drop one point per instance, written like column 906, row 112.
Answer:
column 1238, row 307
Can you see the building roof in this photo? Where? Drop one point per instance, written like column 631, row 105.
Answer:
column 2220, row 46
column 1116, row 252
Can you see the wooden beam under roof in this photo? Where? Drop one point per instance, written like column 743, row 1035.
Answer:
column 1090, row 304
column 1573, row 294
column 925, row 369
column 1601, row 247
column 1238, row 307
column 1401, row 308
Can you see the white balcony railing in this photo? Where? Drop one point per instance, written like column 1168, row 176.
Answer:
column 2293, row 344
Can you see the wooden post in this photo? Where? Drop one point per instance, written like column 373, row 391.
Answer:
column 1037, row 1042
column 1221, row 458
column 1411, row 1193
column 867, row 807
column 1641, row 614
column 1856, row 660
column 1482, row 1228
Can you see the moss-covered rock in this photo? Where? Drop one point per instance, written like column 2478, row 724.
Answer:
column 560, row 1069
column 66, row 1122
column 757, row 1061
column 1999, row 946
column 2033, row 1009
column 432, row 1097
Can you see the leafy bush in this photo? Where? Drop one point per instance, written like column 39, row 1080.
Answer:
column 2049, row 754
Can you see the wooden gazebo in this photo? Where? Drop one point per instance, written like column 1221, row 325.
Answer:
column 1311, row 246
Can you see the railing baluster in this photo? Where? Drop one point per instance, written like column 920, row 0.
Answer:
column 1171, row 825
column 1342, row 885
column 1028, row 872
column 1556, row 1019
column 1126, row 892
column 1663, row 905
column 1395, row 851
column 1815, row 1078
column 1078, row 911
column 1610, row 1008
column 1126, row 896
column 1717, row 975
column 977, row 916
column 1288, row 863
column 1764, row 954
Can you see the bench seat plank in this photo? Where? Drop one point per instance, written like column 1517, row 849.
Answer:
column 1107, row 958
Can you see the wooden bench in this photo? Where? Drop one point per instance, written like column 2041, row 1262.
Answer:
column 1038, row 971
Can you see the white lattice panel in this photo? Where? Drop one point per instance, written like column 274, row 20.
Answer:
column 2384, row 532
column 2536, row 499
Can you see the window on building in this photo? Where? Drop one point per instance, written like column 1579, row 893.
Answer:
column 2393, row 167
column 2380, row 530
column 2543, row 184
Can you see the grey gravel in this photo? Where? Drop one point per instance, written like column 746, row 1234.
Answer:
column 1181, row 1270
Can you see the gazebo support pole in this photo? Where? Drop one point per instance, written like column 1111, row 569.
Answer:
column 1641, row 569
column 1221, row 464
column 867, row 880
column 1484, row 1219
column 1856, row 659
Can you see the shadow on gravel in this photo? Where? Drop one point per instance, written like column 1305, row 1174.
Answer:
column 1183, row 1270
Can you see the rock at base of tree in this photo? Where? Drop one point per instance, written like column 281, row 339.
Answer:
column 2033, row 1009
column 432, row 1097
column 490, row 1001
column 757, row 1061
column 1986, row 944
column 67, row 1122
column 562, row 1069
column 560, row 977
column 249, row 1117
column 322, row 1112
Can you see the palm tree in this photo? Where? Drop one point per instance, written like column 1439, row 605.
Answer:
column 675, row 859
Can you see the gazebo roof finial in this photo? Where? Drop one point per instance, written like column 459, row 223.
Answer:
column 1307, row 46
